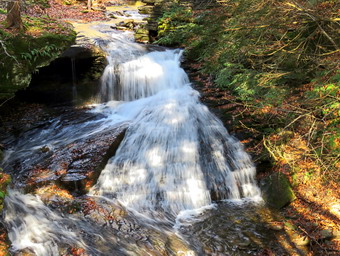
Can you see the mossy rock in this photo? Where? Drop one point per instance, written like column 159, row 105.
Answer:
column 276, row 190
column 24, row 55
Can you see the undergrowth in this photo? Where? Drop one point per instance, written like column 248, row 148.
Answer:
column 280, row 59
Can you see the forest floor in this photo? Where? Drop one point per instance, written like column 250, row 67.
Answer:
column 315, row 213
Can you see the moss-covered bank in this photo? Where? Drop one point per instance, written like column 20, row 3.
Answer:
column 23, row 52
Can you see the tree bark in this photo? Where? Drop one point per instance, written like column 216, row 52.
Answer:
column 13, row 15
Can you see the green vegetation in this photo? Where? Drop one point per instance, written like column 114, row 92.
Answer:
column 23, row 52
column 5, row 179
column 279, row 59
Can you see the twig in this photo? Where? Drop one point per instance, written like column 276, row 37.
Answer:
column 269, row 150
column 292, row 122
column 313, row 238
column 2, row 103
column 248, row 128
column 5, row 50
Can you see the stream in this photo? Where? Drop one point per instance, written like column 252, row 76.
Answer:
column 178, row 184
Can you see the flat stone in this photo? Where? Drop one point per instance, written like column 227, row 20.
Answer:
column 75, row 166
column 69, row 177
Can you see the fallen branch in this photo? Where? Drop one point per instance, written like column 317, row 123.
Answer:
column 313, row 238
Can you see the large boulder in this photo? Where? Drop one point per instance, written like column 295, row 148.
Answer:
column 276, row 190
column 70, row 150
column 77, row 166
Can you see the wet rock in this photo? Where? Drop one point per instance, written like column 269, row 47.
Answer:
column 276, row 190
column 85, row 159
column 114, row 14
column 243, row 244
column 142, row 35
column 114, row 219
column 77, row 165
column 111, row 15
column 44, row 149
column 129, row 24
column 74, row 181
column 145, row 9
column 81, row 52
column 276, row 226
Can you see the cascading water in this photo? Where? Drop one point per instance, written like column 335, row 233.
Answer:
column 175, row 152
column 175, row 156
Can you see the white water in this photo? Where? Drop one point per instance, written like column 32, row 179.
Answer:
column 175, row 152
column 174, row 156
column 35, row 226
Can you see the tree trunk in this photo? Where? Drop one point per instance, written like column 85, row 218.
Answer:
column 13, row 15
column 89, row 4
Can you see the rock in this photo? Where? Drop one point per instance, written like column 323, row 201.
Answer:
column 44, row 149
column 142, row 35
column 145, row 9
column 74, row 181
column 111, row 15
column 276, row 190
column 80, row 52
column 84, row 159
column 76, row 165
column 276, row 226
column 130, row 24
column 243, row 243
column 326, row 234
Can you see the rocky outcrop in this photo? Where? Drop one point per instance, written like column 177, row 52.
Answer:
column 77, row 165
column 70, row 162
column 23, row 54
column 155, row 9
column 277, row 191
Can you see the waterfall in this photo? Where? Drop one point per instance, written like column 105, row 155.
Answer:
column 176, row 154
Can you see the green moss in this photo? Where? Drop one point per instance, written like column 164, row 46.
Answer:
column 22, row 54
column 277, row 191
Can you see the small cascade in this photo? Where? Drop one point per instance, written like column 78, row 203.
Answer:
column 133, row 74
column 34, row 226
